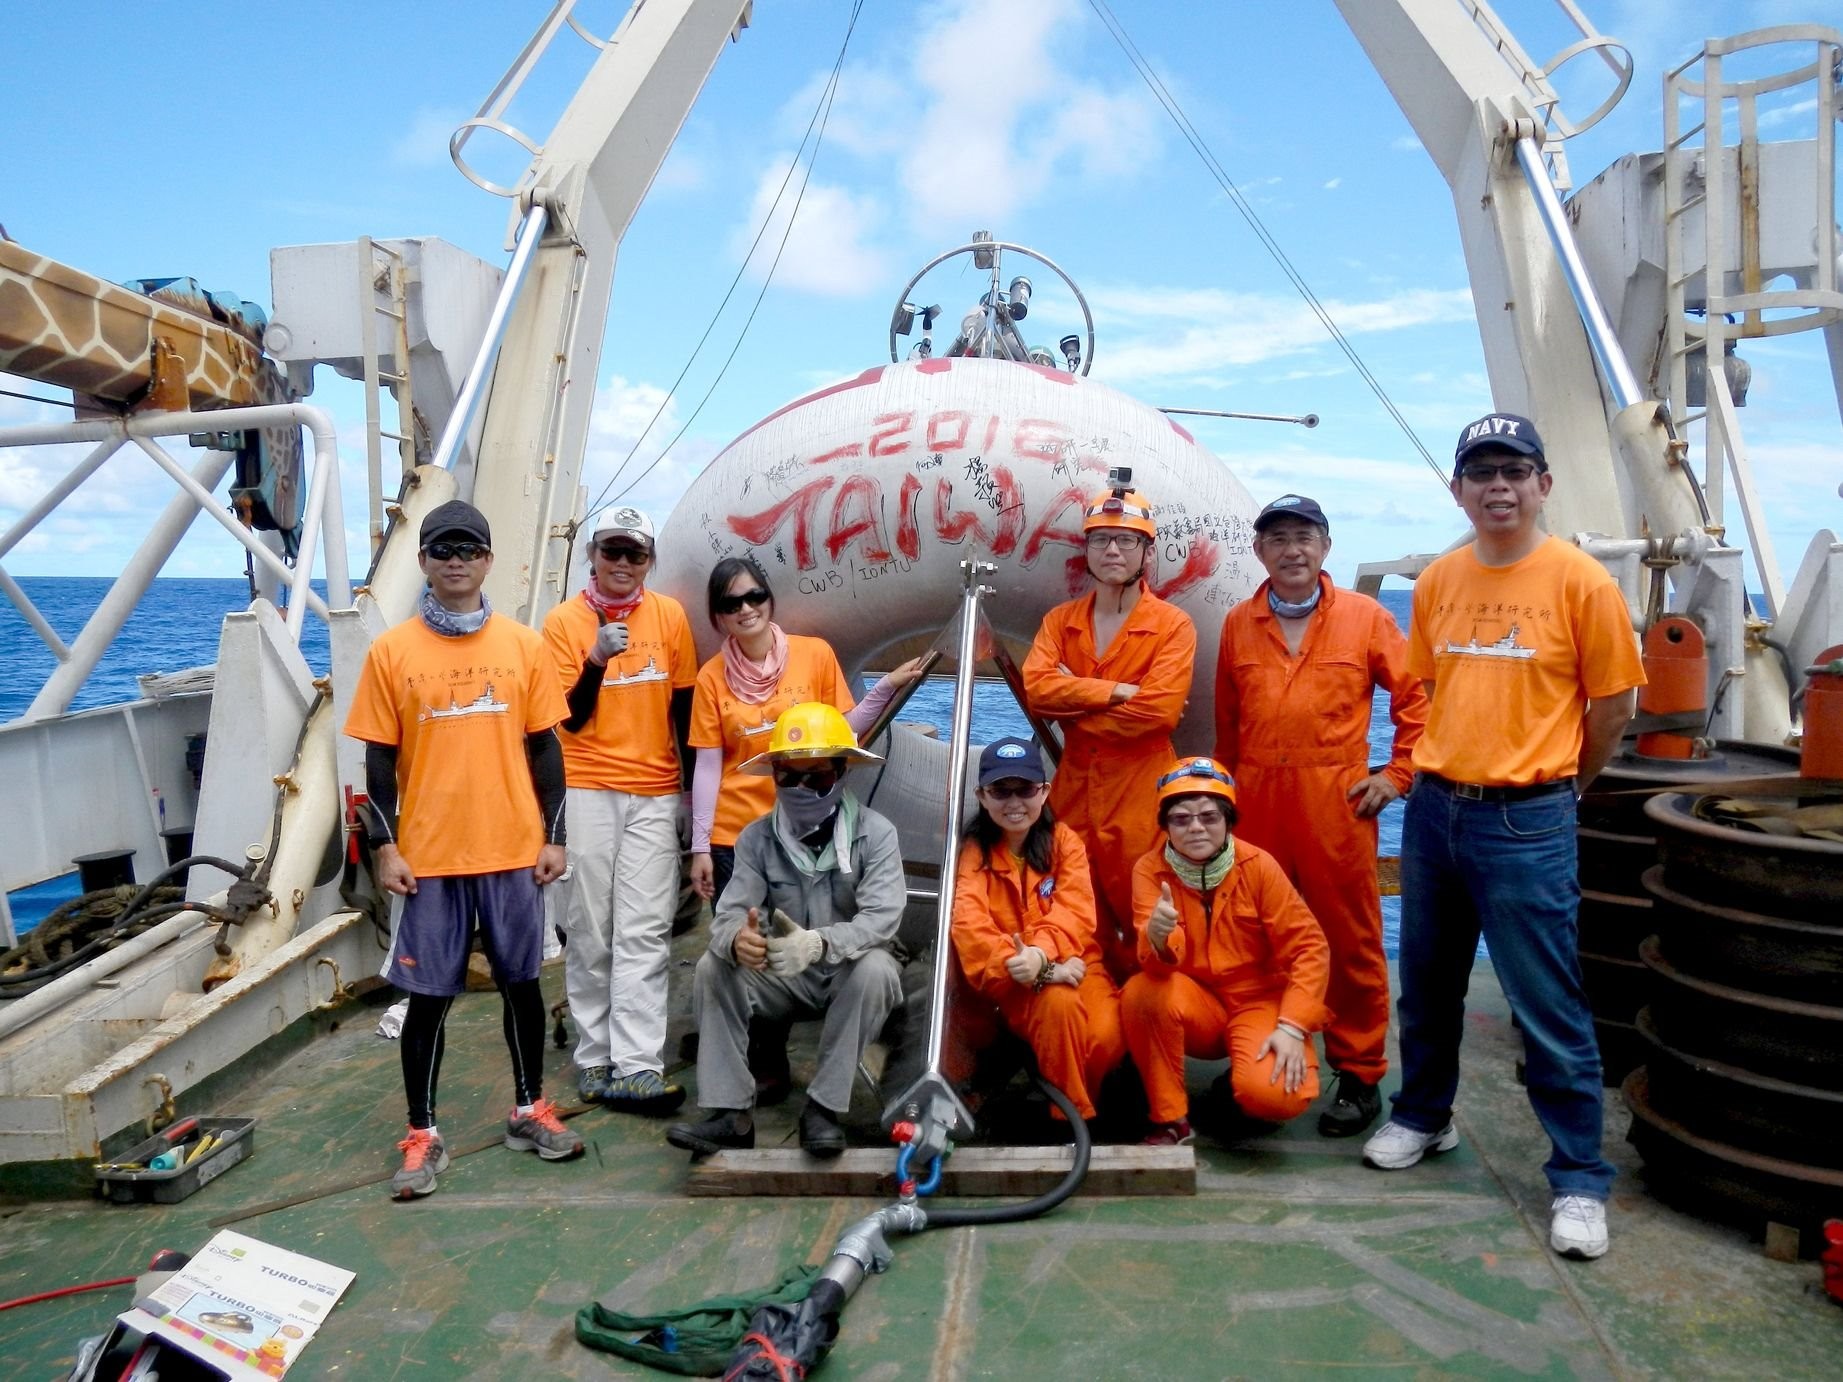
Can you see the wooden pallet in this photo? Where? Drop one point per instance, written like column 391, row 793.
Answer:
column 869, row 1172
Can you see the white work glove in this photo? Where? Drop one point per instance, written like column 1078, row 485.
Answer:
column 792, row 947
column 610, row 641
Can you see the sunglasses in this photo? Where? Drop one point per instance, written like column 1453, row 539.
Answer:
column 1013, row 787
column 822, row 777
column 729, row 604
column 1483, row 473
column 466, row 551
column 633, row 556
column 1183, row 820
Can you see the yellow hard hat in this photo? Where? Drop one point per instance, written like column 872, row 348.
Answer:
column 810, row 730
column 1193, row 777
column 1127, row 509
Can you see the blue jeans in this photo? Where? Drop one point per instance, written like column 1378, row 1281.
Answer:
column 1508, row 868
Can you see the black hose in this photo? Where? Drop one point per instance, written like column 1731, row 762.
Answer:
column 138, row 912
column 1049, row 1199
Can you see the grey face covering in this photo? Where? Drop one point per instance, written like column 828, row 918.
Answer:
column 806, row 810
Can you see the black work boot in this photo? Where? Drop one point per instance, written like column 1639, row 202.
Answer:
column 1353, row 1108
column 820, row 1134
column 727, row 1129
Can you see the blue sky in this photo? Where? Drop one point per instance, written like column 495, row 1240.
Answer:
column 190, row 139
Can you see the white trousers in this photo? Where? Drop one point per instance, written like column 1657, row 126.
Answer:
column 622, row 892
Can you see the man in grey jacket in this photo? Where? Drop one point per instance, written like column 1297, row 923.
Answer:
column 801, row 932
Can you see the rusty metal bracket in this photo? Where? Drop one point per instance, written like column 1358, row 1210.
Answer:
column 342, row 993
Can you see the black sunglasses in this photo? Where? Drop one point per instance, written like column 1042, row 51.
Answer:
column 633, row 556
column 1008, row 788
column 821, row 777
column 466, row 551
column 729, row 604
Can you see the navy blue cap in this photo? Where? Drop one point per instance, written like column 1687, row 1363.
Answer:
column 1499, row 432
column 1003, row 758
column 1292, row 506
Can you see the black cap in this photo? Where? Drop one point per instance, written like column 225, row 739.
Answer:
column 1003, row 758
column 1292, row 506
column 456, row 518
column 1499, row 432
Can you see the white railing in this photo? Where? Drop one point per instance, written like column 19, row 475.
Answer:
column 323, row 523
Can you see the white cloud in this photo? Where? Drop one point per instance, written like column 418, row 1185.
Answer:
column 425, row 143
column 1334, row 184
column 622, row 411
column 828, row 250
column 1195, row 334
column 1406, row 143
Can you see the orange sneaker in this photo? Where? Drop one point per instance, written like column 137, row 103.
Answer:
column 424, row 1158
column 541, row 1131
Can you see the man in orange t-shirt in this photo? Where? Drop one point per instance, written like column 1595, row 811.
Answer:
column 1113, row 668
column 1296, row 668
column 1531, row 666
column 626, row 655
column 458, row 710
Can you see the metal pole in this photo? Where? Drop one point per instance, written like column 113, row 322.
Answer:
column 163, row 536
column 958, row 746
column 1600, row 334
column 59, row 492
column 197, row 494
column 40, row 625
column 460, row 420
column 1303, row 419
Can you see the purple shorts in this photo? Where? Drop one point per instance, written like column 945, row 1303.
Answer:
column 429, row 953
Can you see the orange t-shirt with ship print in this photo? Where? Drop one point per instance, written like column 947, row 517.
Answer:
column 458, row 710
column 627, row 745
column 721, row 720
column 1515, row 653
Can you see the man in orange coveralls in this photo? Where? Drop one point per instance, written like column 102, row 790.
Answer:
column 1232, row 962
column 1023, row 926
column 1114, row 668
column 1298, row 662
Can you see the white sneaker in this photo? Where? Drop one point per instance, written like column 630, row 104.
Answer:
column 1395, row 1148
column 1577, row 1227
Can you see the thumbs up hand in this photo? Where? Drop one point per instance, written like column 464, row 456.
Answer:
column 792, row 947
column 751, row 947
column 1163, row 920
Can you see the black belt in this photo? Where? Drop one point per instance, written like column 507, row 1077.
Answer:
column 1473, row 791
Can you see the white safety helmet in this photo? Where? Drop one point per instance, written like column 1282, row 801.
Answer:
column 621, row 520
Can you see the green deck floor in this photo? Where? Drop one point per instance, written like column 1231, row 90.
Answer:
column 1293, row 1260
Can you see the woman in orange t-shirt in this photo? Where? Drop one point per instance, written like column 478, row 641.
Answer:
column 1024, row 926
column 760, row 671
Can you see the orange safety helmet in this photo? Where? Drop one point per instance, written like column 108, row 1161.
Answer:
column 1196, row 777
column 1120, row 508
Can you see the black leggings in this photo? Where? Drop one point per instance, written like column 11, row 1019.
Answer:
column 424, row 1039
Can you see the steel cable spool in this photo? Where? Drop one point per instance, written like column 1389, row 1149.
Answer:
column 1742, row 1087
column 1616, row 843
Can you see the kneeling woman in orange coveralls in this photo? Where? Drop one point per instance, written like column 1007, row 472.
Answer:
column 1232, row 962
column 1024, row 927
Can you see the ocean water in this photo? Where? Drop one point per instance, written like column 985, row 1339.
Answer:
column 175, row 627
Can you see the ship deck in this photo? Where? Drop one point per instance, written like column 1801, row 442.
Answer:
column 1292, row 1260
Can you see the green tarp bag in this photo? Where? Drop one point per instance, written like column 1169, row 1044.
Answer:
column 694, row 1342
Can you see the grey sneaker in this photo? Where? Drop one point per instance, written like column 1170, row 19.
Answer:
column 592, row 1083
column 644, row 1091
column 541, row 1131
column 1395, row 1148
column 424, row 1158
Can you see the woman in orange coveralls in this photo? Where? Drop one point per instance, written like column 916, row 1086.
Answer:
column 1114, row 668
column 1232, row 962
column 1023, row 926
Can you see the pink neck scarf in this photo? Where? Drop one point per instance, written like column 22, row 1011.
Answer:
column 613, row 611
column 755, row 682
